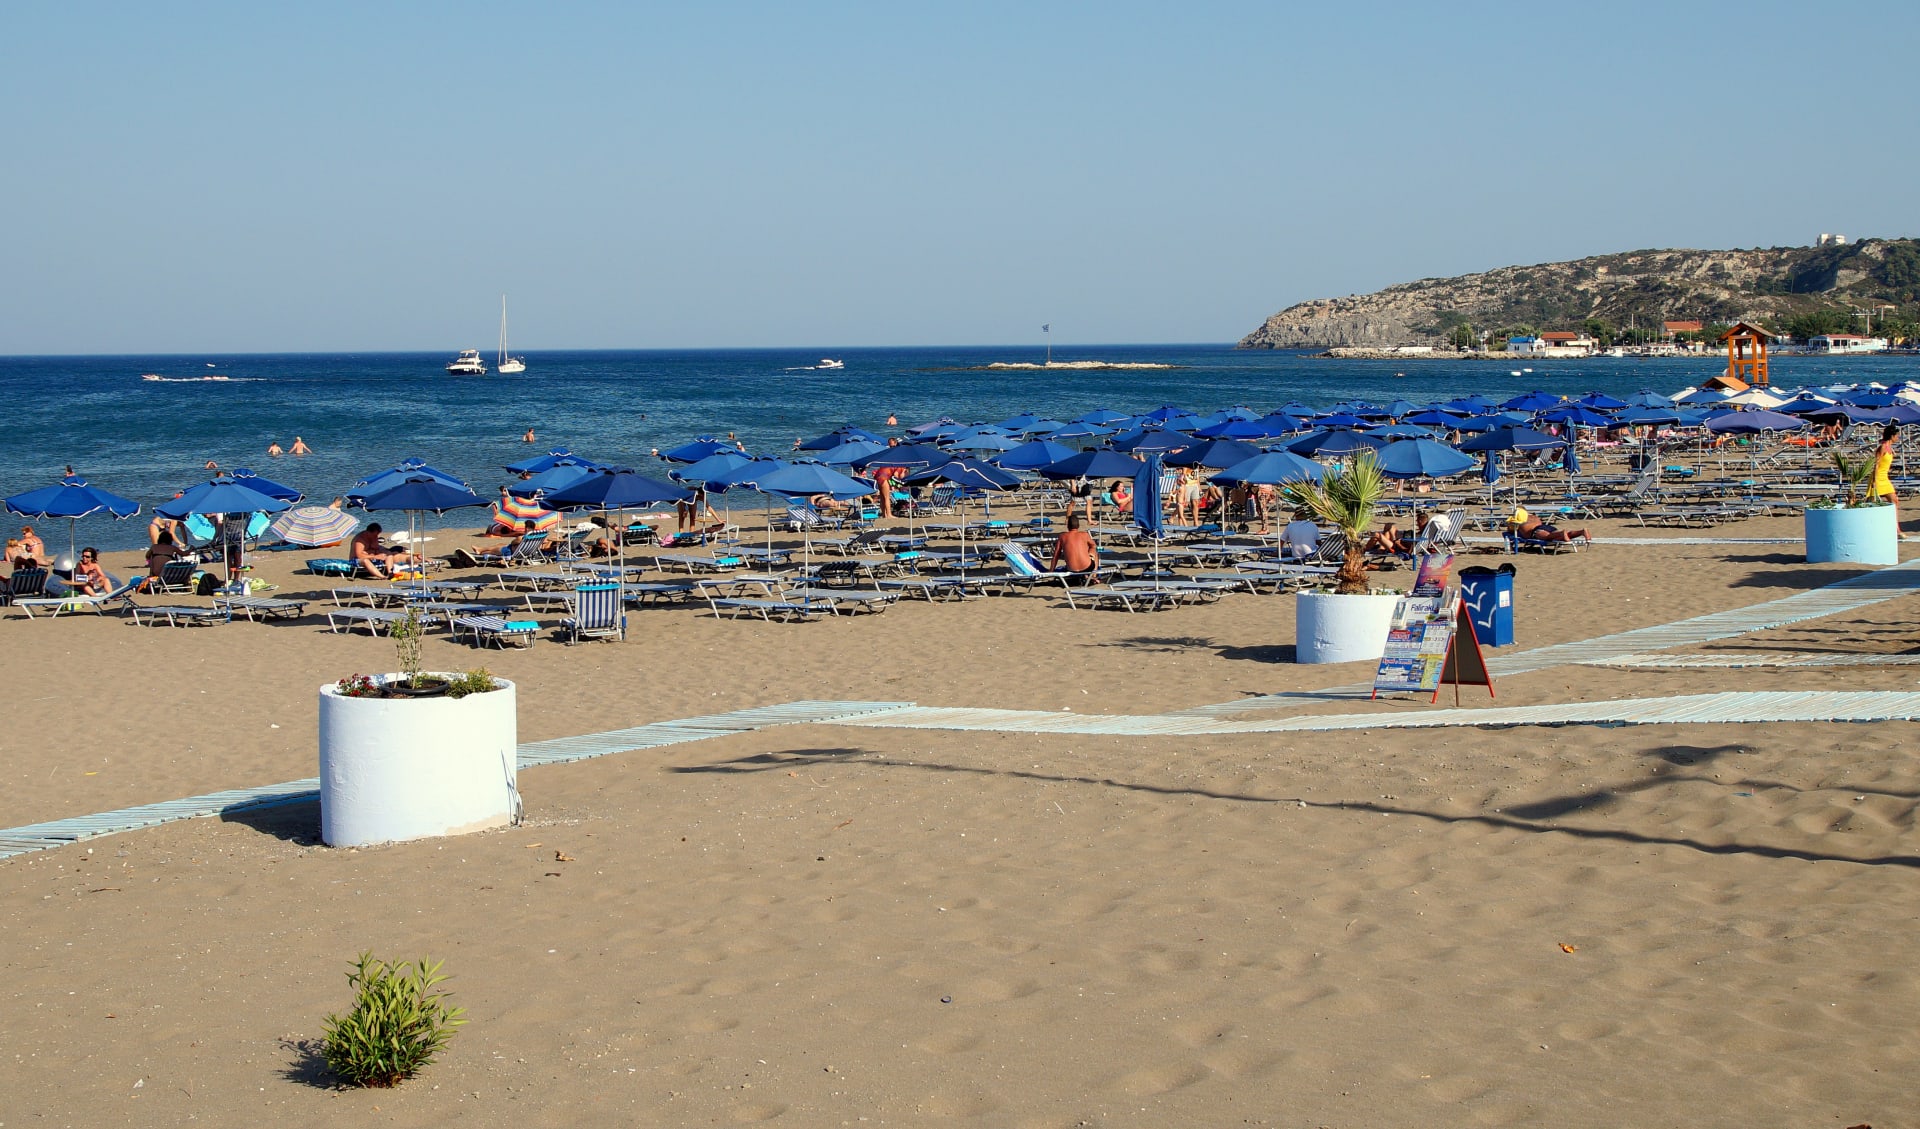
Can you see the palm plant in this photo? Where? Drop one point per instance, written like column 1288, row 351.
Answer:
column 1346, row 499
column 1852, row 475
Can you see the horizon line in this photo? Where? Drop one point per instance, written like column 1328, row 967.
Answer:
column 648, row 349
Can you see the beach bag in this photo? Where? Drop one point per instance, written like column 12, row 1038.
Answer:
column 206, row 584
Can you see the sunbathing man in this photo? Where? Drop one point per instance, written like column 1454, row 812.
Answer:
column 1077, row 549
column 368, row 554
column 1529, row 527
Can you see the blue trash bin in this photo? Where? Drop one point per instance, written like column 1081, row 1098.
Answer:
column 1488, row 596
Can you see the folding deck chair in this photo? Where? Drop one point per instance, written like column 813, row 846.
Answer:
column 597, row 613
column 24, row 582
column 493, row 630
column 1027, row 571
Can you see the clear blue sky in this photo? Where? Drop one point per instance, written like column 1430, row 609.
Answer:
column 267, row 177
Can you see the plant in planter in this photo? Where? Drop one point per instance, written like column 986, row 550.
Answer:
column 1346, row 499
column 1348, row 624
column 416, row 753
column 1853, row 528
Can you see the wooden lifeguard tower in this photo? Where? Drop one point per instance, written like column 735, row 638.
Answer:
column 1747, row 353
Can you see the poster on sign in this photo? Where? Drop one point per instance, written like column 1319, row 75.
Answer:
column 1417, row 644
column 1431, row 579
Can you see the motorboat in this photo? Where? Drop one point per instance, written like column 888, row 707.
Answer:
column 468, row 363
column 829, row 362
column 505, row 363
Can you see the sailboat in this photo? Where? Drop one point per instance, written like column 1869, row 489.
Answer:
column 507, row 364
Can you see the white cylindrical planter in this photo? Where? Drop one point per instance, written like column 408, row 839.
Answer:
column 1868, row 535
column 393, row 769
column 1338, row 629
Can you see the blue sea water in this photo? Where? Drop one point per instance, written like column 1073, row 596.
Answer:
column 367, row 411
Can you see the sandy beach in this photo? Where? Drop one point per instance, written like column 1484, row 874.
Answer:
column 852, row 924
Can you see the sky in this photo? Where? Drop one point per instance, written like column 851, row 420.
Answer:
column 252, row 177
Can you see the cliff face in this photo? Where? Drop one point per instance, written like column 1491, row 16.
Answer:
column 1640, row 288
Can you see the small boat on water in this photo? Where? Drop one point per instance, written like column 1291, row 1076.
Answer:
column 829, row 362
column 468, row 363
column 505, row 363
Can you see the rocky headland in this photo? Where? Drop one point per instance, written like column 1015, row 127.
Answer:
column 1637, row 288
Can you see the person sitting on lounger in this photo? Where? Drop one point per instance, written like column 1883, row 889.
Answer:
column 1122, row 494
column 158, row 554
column 1388, row 540
column 31, row 547
column 1076, row 548
column 367, row 553
column 1529, row 527
column 89, row 579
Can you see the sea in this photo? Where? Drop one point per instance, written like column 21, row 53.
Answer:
column 364, row 412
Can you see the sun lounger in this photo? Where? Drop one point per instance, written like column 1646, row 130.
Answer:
column 767, row 609
column 1131, row 599
column 849, row 599
column 55, row 605
column 262, row 607
column 698, row 562
column 374, row 596
column 930, row 588
column 1184, row 591
column 175, row 616
column 492, row 630
column 539, row 581
column 446, row 611
column 373, row 619
column 645, row 592
column 1253, row 582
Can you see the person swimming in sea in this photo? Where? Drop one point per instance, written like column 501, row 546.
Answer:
column 274, row 451
column 300, row 446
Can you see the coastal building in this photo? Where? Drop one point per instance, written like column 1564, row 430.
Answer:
column 1526, row 346
column 1564, row 344
column 1827, row 240
column 1673, row 329
column 1841, row 344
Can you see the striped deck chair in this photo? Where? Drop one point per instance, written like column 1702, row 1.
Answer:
column 1027, row 570
column 175, row 576
column 597, row 613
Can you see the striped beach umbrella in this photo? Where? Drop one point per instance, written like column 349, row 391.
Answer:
column 523, row 515
column 313, row 526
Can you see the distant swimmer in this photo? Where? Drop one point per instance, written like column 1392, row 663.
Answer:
column 300, row 446
column 528, row 437
column 211, row 465
column 892, row 422
column 274, row 451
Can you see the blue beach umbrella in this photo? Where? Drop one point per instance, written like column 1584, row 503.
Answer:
column 1215, row 453
column 1100, row 416
column 1397, row 431
column 538, row 463
column 422, row 494
column 804, row 480
column 73, row 499
column 266, row 486
column 1432, row 417
column 393, row 476
column 715, row 472
column 1033, row 455
column 557, row 477
column 1535, row 401
column 1648, row 398
column 1092, row 464
column 1646, row 416
column 1079, row 429
column 1150, row 440
column 983, row 441
column 1749, row 423
column 1271, row 468
column 1600, row 401
column 906, row 456
column 1577, row 414
column 838, row 436
column 221, row 496
column 970, row 475
column 1148, row 506
column 1341, row 419
column 846, row 454
column 1511, row 439
column 612, row 489
column 1336, row 443
column 701, row 448
column 1422, row 458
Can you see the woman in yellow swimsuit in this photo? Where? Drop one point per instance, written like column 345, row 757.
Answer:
column 1883, row 470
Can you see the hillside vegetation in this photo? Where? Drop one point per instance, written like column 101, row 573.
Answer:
column 1798, row 290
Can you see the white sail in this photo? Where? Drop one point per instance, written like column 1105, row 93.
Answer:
column 506, row 363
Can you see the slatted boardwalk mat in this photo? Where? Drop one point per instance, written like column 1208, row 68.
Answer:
column 44, row 836
column 1754, row 659
column 1842, row 596
column 1696, row 709
column 566, row 749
